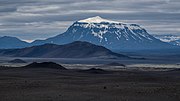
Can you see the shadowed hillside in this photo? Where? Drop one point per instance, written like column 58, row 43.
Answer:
column 73, row 50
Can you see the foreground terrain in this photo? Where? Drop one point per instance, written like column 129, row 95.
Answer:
column 52, row 84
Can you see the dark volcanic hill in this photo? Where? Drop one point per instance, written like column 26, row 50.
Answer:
column 95, row 71
column 45, row 65
column 73, row 50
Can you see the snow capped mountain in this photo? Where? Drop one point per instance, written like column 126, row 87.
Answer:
column 99, row 27
column 111, row 34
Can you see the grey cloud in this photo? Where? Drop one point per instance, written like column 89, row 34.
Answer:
column 37, row 17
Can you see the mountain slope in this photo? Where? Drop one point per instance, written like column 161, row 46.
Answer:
column 170, row 38
column 8, row 42
column 110, row 34
column 175, row 42
column 73, row 50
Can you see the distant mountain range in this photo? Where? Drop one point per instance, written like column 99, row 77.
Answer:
column 72, row 50
column 7, row 42
column 110, row 34
column 169, row 38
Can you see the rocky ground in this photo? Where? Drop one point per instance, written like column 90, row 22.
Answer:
column 49, row 84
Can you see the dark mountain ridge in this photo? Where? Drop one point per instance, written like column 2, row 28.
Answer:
column 76, row 49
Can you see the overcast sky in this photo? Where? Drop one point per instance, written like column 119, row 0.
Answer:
column 39, row 19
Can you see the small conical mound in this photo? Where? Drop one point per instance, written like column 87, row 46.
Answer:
column 95, row 71
column 45, row 65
